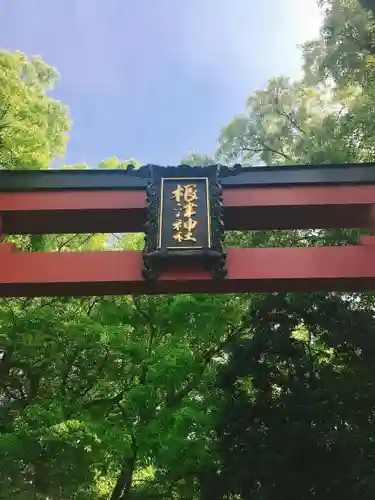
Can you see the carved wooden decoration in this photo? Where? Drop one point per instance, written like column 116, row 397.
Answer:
column 184, row 220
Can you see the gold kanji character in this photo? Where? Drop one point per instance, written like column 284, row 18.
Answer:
column 178, row 193
column 190, row 225
column 190, row 193
column 189, row 209
column 177, row 226
column 178, row 237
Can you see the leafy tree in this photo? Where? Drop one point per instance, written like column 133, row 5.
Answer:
column 369, row 5
column 297, row 420
column 346, row 48
column 116, row 164
column 116, row 385
column 33, row 126
column 196, row 159
column 116, row 398
column 104, row 397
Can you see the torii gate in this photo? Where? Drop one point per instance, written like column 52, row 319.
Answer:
column 254, row 198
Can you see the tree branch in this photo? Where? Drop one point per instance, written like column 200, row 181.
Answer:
column 122, row 489
column 152, row 334
column 91, row 306
column 72, row 238
column 177, row 397
column 266, row 148
column 291, row 120
column 276, row 152
column 100, row 369
column 68, row 368
column 108, row 402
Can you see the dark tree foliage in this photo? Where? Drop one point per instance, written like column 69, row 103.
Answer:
column 368, row 5
column 298, row 417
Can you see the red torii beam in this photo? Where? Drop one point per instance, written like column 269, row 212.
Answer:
column 255, row 198
column 346, row 268
column 246, row 208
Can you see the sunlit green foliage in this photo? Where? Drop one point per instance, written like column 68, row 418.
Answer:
column 33, row 126
column 196, row 396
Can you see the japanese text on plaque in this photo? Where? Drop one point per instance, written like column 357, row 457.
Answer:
column 186, row 198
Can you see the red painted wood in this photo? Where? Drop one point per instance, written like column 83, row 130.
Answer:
column 72, row 200
column 245, row 208
column 372, row 217
column 232, row 197
column 349, row 268
column 301, row 196
column 367, row 240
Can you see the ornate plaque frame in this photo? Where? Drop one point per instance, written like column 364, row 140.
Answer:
column 207, row 251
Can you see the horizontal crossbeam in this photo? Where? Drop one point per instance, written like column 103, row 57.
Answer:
column 246, row 208
column 347, row 268
column 86, row 201
column 238, row 176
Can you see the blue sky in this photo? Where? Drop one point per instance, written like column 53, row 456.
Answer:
column 155, row 79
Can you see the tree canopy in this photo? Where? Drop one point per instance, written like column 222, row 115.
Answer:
column 197, row 396
column 33, row 126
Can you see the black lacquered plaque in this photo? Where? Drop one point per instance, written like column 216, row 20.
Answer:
column 184, row 214
column 185, row 219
